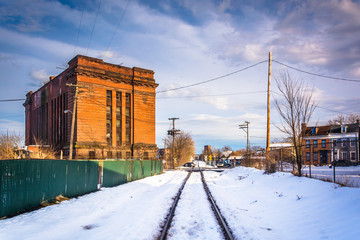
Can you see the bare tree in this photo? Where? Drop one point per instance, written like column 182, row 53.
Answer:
column 226, row 148
column 216, row 154
column 9, row 143
column 295, row 109
column 184, row 148
column 341, row 119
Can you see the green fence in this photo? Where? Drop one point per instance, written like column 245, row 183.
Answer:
column 117, row 172
column 24, row 184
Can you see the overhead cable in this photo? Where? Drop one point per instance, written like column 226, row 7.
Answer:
column 213, row 79
column 77, row 38
column 318, row 75
column 214, row 95
column 12, row 100
column 117, row 26
column 92, row 32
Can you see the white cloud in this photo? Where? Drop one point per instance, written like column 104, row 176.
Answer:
column 11, row 126
column 40, row 75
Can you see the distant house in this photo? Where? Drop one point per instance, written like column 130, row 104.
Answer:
column 324, row 144
column 282, row 151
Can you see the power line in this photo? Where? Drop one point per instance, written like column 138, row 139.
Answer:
column 12, row 100
column 214, row 95
column 333, row 110
column 117, row 26
column 77, row 38
column 317, row 105
column 316, row 74
column 213, row 79
column 92, row 32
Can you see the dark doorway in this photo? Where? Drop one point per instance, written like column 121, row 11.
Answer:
column 323, row 157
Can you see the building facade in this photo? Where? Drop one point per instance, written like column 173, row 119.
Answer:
column 114, row 109
column 324, row 144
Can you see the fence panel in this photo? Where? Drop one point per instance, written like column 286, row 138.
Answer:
column 26, row 183
column 158, row 167
column 136, row 170
column 115, row 173
column 148, row 171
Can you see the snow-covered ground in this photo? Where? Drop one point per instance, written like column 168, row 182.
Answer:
column 256, row 206
column 349, row 176
column 283, row 206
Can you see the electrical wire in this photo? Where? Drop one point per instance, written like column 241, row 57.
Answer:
column 92, row 32
column 317, row 105
column 316, row 74
column 77, row 38
column 116, row 29
column 214, row 95
column 213, row 79
column 12, row 100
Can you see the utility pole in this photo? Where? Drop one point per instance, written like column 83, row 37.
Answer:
column 268, row 110
column 243, row 127
column 73, row 117
column 172, row 132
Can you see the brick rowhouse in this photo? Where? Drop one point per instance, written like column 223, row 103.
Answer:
column 115, row 114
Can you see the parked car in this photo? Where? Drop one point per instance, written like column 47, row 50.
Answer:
column 223, row 164
column 189, row 164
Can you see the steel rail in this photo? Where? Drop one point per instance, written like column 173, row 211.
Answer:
column 172, row 210
column 219, row 217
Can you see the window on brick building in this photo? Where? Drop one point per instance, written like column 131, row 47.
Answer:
column 118, row 154
column 108, row 117
column 308, row 157
column 128, row 155
column 307, row 143
column 109, row 154
column 128, row 118
column 344, row 156
column 118, row 119
column 91, row 154
column 315, row 157
column 313, row 130
column 315, row 144
column 323, row 143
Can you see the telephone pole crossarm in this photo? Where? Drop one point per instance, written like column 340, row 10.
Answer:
column 245, row 127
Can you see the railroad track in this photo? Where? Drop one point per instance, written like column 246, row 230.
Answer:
column 220, row 219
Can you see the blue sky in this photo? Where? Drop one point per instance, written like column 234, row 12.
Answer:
column 186, row 42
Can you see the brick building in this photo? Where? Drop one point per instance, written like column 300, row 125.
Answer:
column 115, row 111
column 324, row 144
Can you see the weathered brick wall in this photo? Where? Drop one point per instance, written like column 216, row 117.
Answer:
column 95, row 78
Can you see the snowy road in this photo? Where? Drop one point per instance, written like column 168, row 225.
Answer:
column 194, row 218
column 255, row 205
